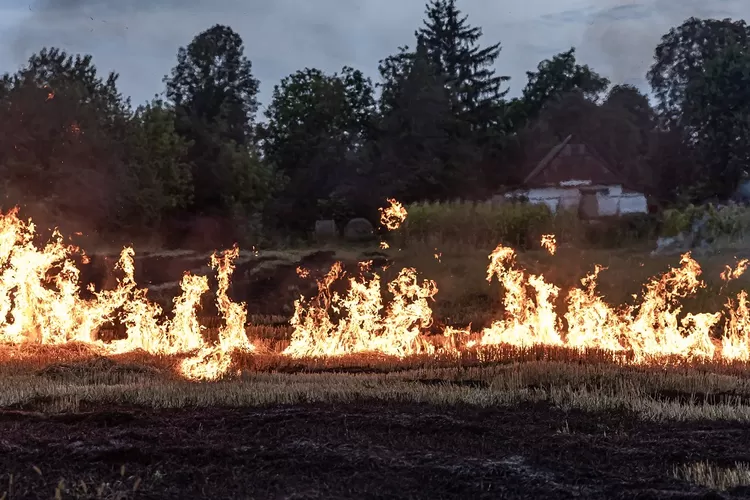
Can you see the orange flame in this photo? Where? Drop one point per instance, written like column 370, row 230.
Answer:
column 392, row 216
column 356, row 322
column 549, row 243
column 41, row 302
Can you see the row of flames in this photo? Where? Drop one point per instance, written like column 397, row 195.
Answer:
column 41, row 301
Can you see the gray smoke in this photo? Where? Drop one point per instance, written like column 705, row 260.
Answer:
column 621, row 36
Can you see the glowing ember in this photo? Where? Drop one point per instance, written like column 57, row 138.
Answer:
column 392, row 216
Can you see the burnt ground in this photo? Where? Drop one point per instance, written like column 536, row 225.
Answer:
column 366, row 450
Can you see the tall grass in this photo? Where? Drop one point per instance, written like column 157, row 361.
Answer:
column 521, row 225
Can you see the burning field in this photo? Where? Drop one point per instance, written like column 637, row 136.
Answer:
column 365, row 388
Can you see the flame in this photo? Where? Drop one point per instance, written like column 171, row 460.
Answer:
column 334, row 324
column 384, row 245
column 549, row 243
column 392, row 216
column 302, row 272
column 41, row 301
column 529, row 319
column 211, row 362
column 730, row 274
column 648, row 330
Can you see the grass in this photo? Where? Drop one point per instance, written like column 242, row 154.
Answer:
column 120, row 486
column 481, row 224
column 713, row 476
column 465, row 296
column 505, row 377
column 72, row 378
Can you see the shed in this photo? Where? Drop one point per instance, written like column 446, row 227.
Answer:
column 573, row 176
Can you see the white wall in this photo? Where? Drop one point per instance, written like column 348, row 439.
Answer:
column 633, row 203
column 615, row 202
column 608, row 204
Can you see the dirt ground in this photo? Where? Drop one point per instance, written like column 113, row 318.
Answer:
column 366, row 450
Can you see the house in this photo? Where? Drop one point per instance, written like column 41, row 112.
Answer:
column 574, row 176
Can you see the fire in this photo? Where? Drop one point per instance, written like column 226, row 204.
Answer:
column 211, row 362
column 730, row 274
column 648, row 330
column 392, row 216
column 335, row 324
column 530, row 318
column 549, row 243
column 41, row 301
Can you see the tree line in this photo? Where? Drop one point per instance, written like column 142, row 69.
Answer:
column 437, row 125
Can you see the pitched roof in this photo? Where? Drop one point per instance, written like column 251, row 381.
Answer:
column 582, row 164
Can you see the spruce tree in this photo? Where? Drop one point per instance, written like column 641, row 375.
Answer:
column 453, row 46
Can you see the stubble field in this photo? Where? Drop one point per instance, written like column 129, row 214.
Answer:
column 485, row 422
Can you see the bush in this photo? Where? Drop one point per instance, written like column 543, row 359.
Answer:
column 621, row 231
column 727, row 222
column 519, row 225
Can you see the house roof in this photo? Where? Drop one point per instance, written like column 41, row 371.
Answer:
column 572, row 161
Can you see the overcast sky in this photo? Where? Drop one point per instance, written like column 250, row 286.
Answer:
column 139, row 38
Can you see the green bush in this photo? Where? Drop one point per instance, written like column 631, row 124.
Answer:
column 519, row 225
column 482, row 224
column 728, row 222
column 613, row 232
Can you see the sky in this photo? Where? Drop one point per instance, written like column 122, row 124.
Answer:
column 139, row 39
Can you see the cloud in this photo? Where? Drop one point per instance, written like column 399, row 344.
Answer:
column 139, row 39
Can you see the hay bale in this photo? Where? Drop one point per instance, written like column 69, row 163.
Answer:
column 325, row 230
column 359, row 230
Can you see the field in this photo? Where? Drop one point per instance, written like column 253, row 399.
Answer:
column 492, row 421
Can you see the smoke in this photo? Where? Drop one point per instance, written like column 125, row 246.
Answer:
column 622, row 34
column 71, row 24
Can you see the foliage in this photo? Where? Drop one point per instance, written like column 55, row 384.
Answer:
column 557, row 77
column 730, row 222
column 213, row 83
column 451, row 45
column 316, row 124
column 157, row 158
column 421, row 152
column 215, row 97
column 716, row 113
column 520, row 225
column 63, row 128
column 681, row 55
column 440, row 128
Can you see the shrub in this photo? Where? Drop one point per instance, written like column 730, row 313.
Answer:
column 520, row 225
column 727, row 222
column 484, row 224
